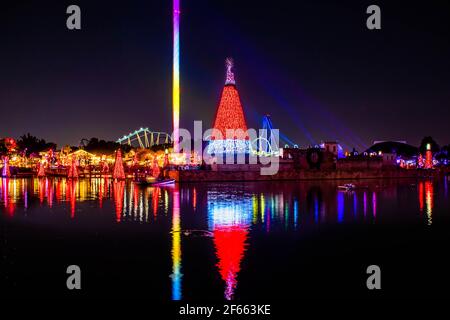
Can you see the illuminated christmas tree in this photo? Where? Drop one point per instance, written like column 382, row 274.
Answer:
column 166, row 159
column 230, row 128
column 41, row 171
column 155, row 169
column 73, row 171
column 5, row 171
column 118, row 172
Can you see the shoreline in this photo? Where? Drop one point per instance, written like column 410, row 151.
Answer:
column 300, row 175
column 188, row 176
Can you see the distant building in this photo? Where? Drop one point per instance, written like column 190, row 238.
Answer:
column 389, row 159
column 333, row 147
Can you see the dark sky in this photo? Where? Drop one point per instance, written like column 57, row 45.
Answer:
column 313, row 65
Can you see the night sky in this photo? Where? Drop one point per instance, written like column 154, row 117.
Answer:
column 312, row 65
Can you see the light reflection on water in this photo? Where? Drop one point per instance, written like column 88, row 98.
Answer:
column 230, row 212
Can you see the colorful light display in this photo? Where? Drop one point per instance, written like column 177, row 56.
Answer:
column 105, row 167
column 230, row 248
column 145, row 138
column 5, row 170
column 229, row 117
column 118, row 172
column 73, row 171
column 5, row 189
column 428, row 157
column 176, row 246
column 41, row 171
column 118, row 193
column 155, row 169
column 102, row 189
column 71, row 196
column 230, row 75
column 166, row 159
column 340, row 207
column 420, row 161
column 229, row 218
column 176, row 75
column 429, row 200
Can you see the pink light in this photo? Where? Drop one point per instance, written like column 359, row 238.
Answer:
column 176, row 75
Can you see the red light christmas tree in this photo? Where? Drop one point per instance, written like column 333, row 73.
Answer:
column 118, row 172
column 73, row 171
column 155, row 169
column 41, row 171
column 166, row 159
column 230, row 127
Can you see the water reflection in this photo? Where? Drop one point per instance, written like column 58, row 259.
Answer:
column 426, row 199
column 446, row 186
column 287, row 207
column 232, row 213
column 176, row 246
column 119, row 198
column 229, row 217
column 429, row 194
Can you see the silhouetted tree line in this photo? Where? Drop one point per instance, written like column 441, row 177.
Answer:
column 3, row 148
column 94, row 145
column 30, row 144
column 161, row 147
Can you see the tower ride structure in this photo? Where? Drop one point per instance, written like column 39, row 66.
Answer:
column 176, row 76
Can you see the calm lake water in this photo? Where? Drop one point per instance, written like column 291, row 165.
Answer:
column 227, row 241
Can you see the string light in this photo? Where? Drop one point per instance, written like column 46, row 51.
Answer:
column 229, row 119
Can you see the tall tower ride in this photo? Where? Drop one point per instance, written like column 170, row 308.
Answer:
column 176, row 75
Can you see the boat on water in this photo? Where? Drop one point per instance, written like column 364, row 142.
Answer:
column 347, row 187
column 151, row 177
column 155, row 182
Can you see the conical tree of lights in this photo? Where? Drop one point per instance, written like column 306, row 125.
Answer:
column 119, row 172
column 5, row 171
column 166, row 159
column 73, row 171
column 41, row 171
column 229, row 118
column 155, row 169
